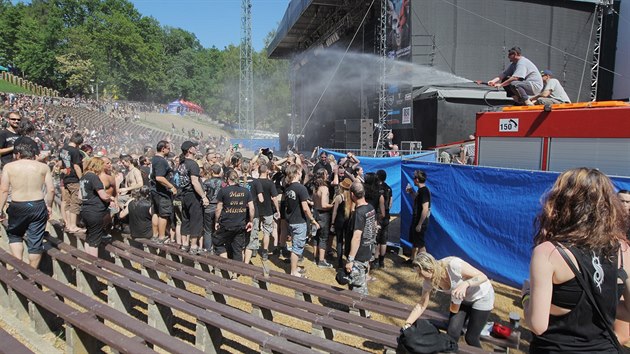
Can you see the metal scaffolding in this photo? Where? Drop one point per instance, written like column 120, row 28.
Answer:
column 600, row 11
column 383, row 107
column 246, row 82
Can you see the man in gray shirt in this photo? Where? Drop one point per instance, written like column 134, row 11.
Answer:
column 553, row 92
column 522, row 78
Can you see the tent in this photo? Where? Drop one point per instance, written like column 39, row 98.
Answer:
column 176, row 107
column 2, row 68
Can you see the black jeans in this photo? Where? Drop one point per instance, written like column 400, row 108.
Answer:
column 476, row 321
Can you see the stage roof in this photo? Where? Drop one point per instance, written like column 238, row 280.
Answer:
column 303, row 19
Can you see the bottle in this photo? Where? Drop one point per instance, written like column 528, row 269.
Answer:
column 455, row 303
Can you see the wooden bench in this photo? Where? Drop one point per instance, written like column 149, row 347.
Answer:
column 306, row 289
column 212, row 317
column 141, row 330
column 10, row 345
column 84, row 331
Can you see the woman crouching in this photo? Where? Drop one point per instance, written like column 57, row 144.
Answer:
column 472, row 295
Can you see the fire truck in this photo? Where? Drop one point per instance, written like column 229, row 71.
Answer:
column 556, row 137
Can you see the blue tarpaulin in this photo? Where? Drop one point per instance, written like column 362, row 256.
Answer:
column 483, row 215
column 391, row 165
column 256, row 144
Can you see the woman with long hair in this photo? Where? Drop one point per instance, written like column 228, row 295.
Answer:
column 582, row 217
column 472, row 294
column 342, row 208
column 95, row 204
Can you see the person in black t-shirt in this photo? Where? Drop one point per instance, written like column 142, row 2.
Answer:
column 8, row 137
column 268, row 209
column 421, row 213
column 163, row 190
column 72, row 167
column 297, row 212
column 95, row 204
column 192, row 196
column 385, row 192
column 235, row 208
column 139, row 213
column 211, row 187
column 363, row 226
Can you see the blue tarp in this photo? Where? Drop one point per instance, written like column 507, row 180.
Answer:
column 483, row 215
column 391, row 165
column 256, row 144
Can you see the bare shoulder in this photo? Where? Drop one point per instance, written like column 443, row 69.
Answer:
column 545, row 250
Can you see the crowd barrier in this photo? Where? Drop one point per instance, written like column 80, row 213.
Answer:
column 256, row 144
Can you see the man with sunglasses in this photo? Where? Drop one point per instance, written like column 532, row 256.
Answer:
column 8, row 137
column 521, row 79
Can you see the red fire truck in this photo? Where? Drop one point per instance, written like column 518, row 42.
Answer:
column 557, row 137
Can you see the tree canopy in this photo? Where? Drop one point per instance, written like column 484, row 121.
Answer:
column 67, row 45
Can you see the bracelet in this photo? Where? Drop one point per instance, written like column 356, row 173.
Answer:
column 525, row 297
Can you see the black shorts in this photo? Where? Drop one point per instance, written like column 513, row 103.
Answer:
column 162, row 205
column 417, row 238
column 192, row 215
column 383, row 234
column 95, row 226
column 28, row 218
column 234, row 240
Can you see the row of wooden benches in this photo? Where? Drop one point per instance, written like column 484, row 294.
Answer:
column 325, row 321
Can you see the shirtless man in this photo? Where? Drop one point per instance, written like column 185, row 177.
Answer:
column 133, row 179
column 30, row 207
column 109, row 185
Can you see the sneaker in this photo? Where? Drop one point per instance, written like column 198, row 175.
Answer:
column 375, row 265
column 264, row 254
column 528, row 102
column 324, row 264
column 193, row 251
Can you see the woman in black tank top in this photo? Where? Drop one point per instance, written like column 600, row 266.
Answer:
column 582, row 216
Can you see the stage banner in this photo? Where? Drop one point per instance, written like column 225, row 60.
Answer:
column 399, row 90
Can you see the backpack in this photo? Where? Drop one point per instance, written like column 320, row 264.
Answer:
column 424, row 338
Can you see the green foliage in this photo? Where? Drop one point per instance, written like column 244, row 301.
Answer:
column 68, row 44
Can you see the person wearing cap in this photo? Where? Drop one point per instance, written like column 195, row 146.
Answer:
column 522, row 78
column 553, row 92
column 192, row 196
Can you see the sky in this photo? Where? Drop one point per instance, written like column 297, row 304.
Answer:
column 216, row 22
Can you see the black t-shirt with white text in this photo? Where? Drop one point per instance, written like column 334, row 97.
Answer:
column 294, row 194
column 186, row 170
column 70, row 156
column 364, row 219
column 235, row 212
column 89, row 185
column 7, row 138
